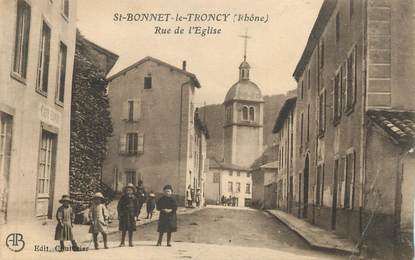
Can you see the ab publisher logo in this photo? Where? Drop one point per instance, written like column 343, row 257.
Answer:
column 15, row 242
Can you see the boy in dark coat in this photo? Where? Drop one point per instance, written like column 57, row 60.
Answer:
column 127, row 214
column 65, row 218
column 167, row 221
column 151, row 204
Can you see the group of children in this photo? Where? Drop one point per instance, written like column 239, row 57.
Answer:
column 128, row 211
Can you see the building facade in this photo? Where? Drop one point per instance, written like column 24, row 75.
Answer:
column 354, row 95
column 37, row 45
column 264, row 185
column 152, row 110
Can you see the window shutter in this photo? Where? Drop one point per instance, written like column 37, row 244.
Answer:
column 342, row 183
column 124, row 113
column 137, row 110
column 123, row 143
column 354, row 81
column 140, row 147
column 352, row 178
column 344, row 86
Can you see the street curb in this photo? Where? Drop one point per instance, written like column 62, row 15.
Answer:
column 309, row 242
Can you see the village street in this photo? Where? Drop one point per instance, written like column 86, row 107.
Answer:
column 230, row 227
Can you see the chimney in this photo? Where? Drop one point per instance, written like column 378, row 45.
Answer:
column 184, row 65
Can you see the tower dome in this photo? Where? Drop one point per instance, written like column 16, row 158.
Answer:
column 244, row 89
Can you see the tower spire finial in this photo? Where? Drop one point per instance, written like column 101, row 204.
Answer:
column 246, row 37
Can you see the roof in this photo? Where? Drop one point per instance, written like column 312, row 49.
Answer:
column 288, row 105
column 244, row 90
column 400, row 125
column 214, row 164
column 112, row 57
column 323, row 17
column 160, row 62
column 270, row 165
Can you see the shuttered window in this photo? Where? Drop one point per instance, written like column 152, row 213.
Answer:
column 131, row 110
column 43, row 62
column 21, row 45
column 349, row 180
column 337, row 97
column 61, row 72
column 350, row 92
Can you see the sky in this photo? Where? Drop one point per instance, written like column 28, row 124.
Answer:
column 273, row 50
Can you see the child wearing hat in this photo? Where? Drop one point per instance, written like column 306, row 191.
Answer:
column 65, row 217
column 98, row 214
column 167, row 221
column 127, row 214
column 151, row 204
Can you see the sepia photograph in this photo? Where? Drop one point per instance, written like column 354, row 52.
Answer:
column 196, row 129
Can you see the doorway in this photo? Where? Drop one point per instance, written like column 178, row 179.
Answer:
column 6, row 123
column 334, row 205
column 46, row 174
column 305, row 187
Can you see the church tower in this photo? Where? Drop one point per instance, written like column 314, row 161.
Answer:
column 243, row 129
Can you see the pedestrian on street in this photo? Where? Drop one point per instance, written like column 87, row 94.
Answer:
column 189, row 196
column 65, row 218
column 168, row 220
column 98, row 214
column 151, row 204
column 127, row 209
column 198, row 197
column 141, row 196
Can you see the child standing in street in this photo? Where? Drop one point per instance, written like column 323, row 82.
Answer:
column 167, row 221
column 127, row 214
column 151, row 204
column 98, row 214
column 65, row 217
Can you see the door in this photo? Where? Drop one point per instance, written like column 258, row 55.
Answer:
column 46, row 175
column 305, row 188
column 6, row 123
column 334, row 205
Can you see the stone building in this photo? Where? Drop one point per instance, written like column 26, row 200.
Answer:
column 285, row 128
column 264, row 185
column 355, row 131
column 152, row 110
column 37, row 44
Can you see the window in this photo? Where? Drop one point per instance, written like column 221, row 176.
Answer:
column 351, row 7
column 65, row 8
column 230, row 186
column 248, row 188
column 238, row 187
column 132, row 143
column 248, row 175
column 230, row 173
column 216, row 177
column 61, row 72
column 21, row 45
column 229, row 114
column 46, row 172
column 301, row 130
column 147, row 82
column 308, row 79
column 322, row 113
column 130, row 110
column 337, row 97
column 238, row 174
column 308, row 124
column 302, row 89
column 245, row 113
column 43, row 63
column 252, row 114
column 337, row 27
column 349, row 180
column 130, row 177
column 321, row 54
column 6, row 123
column 350, row 92
column 320, row 185
column 140, row 146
